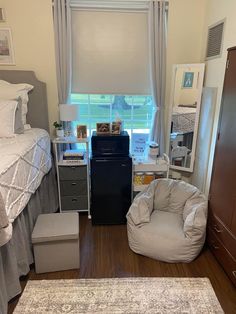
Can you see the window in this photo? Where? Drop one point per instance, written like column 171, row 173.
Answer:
column 110, row 65
column 135, row 111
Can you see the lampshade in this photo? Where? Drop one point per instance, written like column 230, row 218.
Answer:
column 69, row 112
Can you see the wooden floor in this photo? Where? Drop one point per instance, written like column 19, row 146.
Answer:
column 104, row 252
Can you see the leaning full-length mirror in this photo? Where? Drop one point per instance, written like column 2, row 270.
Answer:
column 186, row 94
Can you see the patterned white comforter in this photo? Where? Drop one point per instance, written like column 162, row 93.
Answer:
column 183, row 119
column 25, row 159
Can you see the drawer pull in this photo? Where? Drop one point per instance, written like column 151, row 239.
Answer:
column 74, row 183
column 234, row 273
column 214, row 246
column 74, row 199
column 216, row 228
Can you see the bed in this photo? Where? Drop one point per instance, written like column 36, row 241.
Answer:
column 27, row 187
column 183, row 119
column 182, row 130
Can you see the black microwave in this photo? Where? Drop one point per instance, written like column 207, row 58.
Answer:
column 110, row 145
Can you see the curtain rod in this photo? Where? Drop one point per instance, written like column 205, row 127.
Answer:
column 134, row 5
column 112, row 5
column 111, row 1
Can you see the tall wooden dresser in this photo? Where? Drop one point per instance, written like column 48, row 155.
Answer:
column 222, row 200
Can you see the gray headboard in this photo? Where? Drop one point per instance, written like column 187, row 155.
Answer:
column 37, row 115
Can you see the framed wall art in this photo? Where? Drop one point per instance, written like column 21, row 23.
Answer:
column 188, row 80
column 6, row 47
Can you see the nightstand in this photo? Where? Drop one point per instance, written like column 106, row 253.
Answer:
column 73, row 177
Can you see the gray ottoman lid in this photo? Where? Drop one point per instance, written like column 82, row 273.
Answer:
column 54, row 227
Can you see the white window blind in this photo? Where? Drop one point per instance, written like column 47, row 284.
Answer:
column 110, row 52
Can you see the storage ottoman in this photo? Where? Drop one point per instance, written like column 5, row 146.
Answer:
column 55, row 241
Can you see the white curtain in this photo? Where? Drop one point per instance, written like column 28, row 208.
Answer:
column 157, row 42
column 62, row 30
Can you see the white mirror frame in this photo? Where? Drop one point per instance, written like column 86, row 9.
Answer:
column 201, row 67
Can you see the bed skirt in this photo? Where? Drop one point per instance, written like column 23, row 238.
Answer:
column 17, row 254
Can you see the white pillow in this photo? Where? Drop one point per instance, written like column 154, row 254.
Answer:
column 7, row 118
column 14, row 91
column 18, row 126
column 27, row 127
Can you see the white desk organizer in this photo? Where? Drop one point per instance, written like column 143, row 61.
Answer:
column 161, row 164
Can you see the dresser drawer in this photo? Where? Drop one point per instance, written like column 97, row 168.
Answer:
column 74, row 202
column 73, row 172
column 224, row 235
column 69, row 188
column 223, row 256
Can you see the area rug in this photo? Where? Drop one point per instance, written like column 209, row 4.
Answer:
column 119, row 295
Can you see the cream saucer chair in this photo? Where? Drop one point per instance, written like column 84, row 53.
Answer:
column 167, row 221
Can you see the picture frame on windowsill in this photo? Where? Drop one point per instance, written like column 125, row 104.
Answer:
column 103, row 128
column 81, row 131
column 116, row 128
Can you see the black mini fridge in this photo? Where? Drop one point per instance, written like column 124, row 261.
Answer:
column 111, row 180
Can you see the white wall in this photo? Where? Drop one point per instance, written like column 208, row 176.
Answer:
column 33, row 41
column 218, row 10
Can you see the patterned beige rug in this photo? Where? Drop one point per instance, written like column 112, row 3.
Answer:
column 119, row 295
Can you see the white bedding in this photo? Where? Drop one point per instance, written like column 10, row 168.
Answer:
column 25, row 159
column 183, row 119
column 183, row 110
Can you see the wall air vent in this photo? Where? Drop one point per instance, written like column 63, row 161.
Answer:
column 215, row 40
